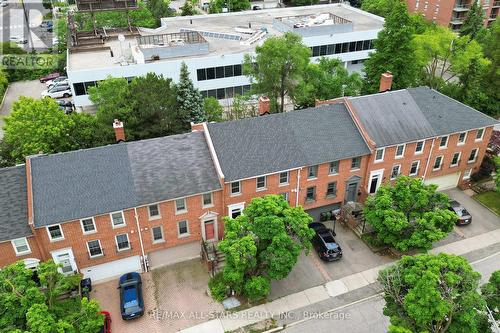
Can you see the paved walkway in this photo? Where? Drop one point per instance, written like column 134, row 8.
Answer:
column 332, row 289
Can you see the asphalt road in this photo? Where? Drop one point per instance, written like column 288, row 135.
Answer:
column 365, row 316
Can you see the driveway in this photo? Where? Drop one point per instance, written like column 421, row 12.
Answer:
column 16, row 89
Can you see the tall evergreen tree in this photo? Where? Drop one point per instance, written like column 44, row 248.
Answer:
column 394, row 51
column 189, row 98
column 474, row 21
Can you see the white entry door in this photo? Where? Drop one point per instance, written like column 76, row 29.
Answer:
column 65, row 258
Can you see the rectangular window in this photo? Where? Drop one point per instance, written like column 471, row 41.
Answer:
column 443, row 142
column 210, row 73
column 21, row 246
column 117, row 219
column 352, row 46
column 461, row 138
column 334, row 168
column 154, row 211
column 261, row 183
column 237, row 70
column 235, row 188
column 94, row 248
column 182, row 228
column 414, row 168
column 419, row 148
column 315, row 51
column 228, row 71
column 479, row 134
column 180, row 205
column 79, row 89
column 122, row 242
column 207, row 199
column 473, row 155
column 285, row 196
column 437, row 163
column 455, row 160
column 400, row 151
column 311, row 193
column 219, row 72
column 345, row 47
column 355, row 163
column 88, row 225
column 201, row 74
column 467, row 174
column 157, row 234
column 379, row 155
column 221, row 93
column 284, row 178
column 55, row 232
column 395, row 171
column 338, row 48
column 331, row 190
column 312, row 172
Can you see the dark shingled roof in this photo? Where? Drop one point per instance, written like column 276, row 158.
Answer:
column 13, row 204
column 83, row 183
column 256, row 146
column 172, row 167
column 413, row 114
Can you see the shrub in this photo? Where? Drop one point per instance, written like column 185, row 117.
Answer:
column 257, row 288
column 218, row 287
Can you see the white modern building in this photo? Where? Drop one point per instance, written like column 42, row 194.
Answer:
column 213, row 46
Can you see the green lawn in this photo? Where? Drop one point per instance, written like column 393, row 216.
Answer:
column 490, row 199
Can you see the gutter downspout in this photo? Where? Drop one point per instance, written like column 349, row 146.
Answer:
column 297, row 189
column 428, row 159
column 144, row 260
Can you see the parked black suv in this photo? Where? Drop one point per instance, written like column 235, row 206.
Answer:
column 324, row 243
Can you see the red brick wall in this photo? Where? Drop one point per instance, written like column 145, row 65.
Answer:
column 9, row 255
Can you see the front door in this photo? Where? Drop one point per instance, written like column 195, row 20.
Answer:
column 351, row 192
column 209, row 230
column 66, row 259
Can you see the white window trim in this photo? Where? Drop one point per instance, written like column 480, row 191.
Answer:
column 50, row 236
column 286, row 197
column 88, row 232
column 399, row 171
column 116, row 242
column 383, row 155
column 23, row 252
column 162, row 240
column 156, row 217
column 482, row 134
column 465, row 139
column 233, row 207
column 458, row 160
column 475, row 156
column 359, row 167
column 231, row 188
column 396, row 156
column 440, row 163
column 446, row 144
column 334, row 173
column 211, row 200
column 467, row 174
column 423, row 147
column 380, row 174
column 182, row 211
column 418, row 167
column 287, row 178
column 113, row 223
column 187, row 234
column 100, row 246
column 257, row 184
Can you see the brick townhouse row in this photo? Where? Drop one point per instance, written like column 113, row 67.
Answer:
column 107, row 210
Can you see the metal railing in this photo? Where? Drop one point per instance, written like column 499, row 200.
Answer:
column 461, row 6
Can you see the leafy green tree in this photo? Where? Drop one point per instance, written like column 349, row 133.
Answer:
column 409, row 214
column 395, row 51
column 324, row 80
column 491, row 294
column 444, row 56
column 26, row 306
column 4, row 82
column 213, row 109
column 159, row 9
column 216, row 6
column 474, row 21
column 188, row 9
column 304, row 2
column 240, row 108
column 496, row 159
column 433, row 293
column 377, row 7
column 189, row 99
column 263, row 245
column 277, row 67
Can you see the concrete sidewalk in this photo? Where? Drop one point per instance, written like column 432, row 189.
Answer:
column 329, row 290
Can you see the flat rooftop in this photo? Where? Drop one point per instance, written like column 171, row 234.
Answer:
column 231, row 33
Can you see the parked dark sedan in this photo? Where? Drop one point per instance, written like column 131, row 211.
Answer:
column 463, row 216
column 131, row 302
column 324, row 243
column 66, row 106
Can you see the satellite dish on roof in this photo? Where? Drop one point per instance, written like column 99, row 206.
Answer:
column 121, row 38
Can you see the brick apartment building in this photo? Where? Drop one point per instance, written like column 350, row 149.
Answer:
column 108, row 210
column 451, row 13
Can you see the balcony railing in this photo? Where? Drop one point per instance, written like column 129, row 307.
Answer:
column 459, row 7
column 496, row 4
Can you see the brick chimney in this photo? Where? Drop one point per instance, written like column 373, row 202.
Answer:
column 196, row 127
column 385, row 82
column 264, row 105
column 119, row 130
